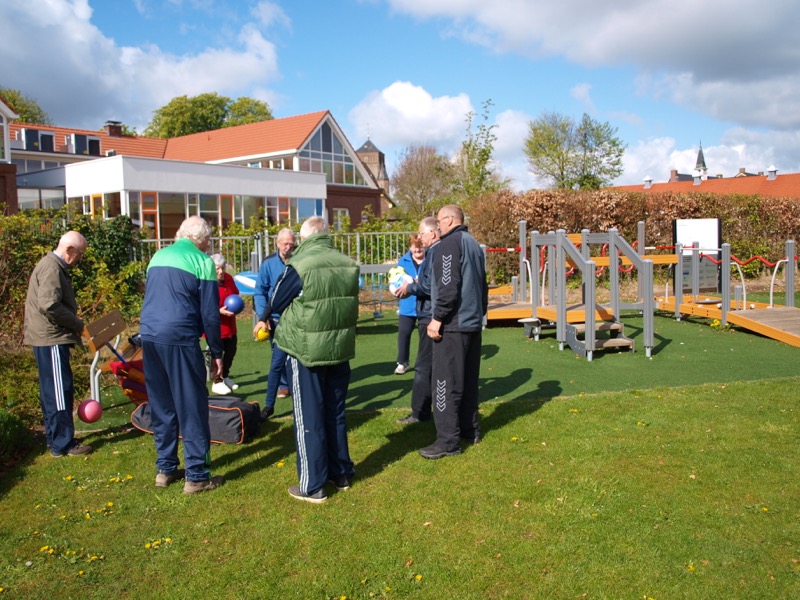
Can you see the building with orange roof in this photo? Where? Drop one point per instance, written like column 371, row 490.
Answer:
column 298, row 166
column 748, row 184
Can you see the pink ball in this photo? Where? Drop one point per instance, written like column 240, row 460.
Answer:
column 90, row 411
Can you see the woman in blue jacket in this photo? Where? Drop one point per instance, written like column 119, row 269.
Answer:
column 407, row 310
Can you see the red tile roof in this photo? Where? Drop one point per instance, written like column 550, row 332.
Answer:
column 123, row 145
column 265, row 137
column 783, row 186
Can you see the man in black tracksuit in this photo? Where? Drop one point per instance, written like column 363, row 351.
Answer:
column 421, row 288
column 459, row 299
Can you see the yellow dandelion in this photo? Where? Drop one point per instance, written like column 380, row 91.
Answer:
column 515, row 439
column 63, row 517
column 418, row 577
column 280, row 464
column 109, row 504
column 574, row 410
column 80, row 572
column 388, row 589
column 68, row 478
column 764, row 509
column 44, row 548
column 128, row 477
column 691, row 567
column 148, row 546
column 168, row 540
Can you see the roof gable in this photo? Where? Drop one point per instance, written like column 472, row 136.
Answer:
column 254, row 139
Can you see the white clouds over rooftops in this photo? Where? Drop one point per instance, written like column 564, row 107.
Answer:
column 83, row 77
column 404, row 114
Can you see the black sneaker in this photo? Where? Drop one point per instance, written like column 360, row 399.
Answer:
column 266, row 413
column 409, row 420
column 317, row 497
column 76, row 450
column 433, row 452
column 342, row 483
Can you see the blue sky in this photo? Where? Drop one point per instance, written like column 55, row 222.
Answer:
column 667, row 75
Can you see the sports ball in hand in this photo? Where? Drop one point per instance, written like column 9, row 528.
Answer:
column 234, row 303
column 90, row 411
column 262, row 334
column 398, row 280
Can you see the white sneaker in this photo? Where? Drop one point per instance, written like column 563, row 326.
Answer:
column 231, row 383
column 220, row 389
column 401, row 369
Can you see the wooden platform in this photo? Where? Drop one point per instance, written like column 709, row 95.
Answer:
column 521, row 310
column 779, row 323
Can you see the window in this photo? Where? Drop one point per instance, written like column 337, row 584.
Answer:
column 46, row 142
column 325, row 153
column 341, row 217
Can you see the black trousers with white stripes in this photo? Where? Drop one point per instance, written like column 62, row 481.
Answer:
column 56, row 393
column 456, row 368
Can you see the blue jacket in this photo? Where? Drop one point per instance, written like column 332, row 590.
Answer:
column 408, row 305
column 421, row 288
column 181, row 298
column 268, row 275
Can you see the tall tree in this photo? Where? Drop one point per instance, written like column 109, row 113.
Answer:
column 247, row 110
column 421, row 184
column 475, row 173
column 184, row 115
column 27, row 108
column 570, row 155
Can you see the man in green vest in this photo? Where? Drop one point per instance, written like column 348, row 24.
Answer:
column 317, row 298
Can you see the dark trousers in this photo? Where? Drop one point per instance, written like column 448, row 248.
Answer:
column 421, row 388
column 319, row 423
column 56, row 395
column 278, row 374
column 175, row 377
column 456, row 367
column 228, row 354
column 405, row 328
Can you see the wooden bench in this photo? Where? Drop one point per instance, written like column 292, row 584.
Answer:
column 106, row 334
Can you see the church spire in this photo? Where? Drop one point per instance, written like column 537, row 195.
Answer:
column 701, row 160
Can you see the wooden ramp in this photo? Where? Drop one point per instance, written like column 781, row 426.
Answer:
column 779, row 323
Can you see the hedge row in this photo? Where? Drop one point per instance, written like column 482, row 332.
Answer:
column 750, row 224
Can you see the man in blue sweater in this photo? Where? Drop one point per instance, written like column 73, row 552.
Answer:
column 268, row 276
column 181, row 302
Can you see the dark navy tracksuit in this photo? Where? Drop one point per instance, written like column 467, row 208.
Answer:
column 181, row 302
column 459, row 297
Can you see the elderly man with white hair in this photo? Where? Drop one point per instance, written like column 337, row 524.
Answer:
column 52, row 327
column 317, row 298
column 181, row 302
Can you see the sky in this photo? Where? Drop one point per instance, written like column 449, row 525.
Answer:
column 667, row 75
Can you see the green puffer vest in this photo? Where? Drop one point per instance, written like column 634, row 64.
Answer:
column 319, row 326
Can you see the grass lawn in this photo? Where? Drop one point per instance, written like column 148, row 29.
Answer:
column 625, row 477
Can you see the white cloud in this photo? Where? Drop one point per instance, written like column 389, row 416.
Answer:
column 733, row 59
column 81, row 77
column 404, row 114
column 269, row 13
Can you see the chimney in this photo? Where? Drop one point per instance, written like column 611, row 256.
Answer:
column 113, row 128
column 673, row 175
column 742, row 172
column 772, row 171
column 648, row 182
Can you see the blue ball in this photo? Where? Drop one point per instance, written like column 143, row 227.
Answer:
column 234, row 303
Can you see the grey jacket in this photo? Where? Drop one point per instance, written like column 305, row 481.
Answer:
column 51, row 312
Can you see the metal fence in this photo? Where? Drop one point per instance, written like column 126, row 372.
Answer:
column 245, row 253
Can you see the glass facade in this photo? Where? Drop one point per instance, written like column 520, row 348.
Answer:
column 325, row 153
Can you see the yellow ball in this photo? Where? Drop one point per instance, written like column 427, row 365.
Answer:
column 262, row 335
